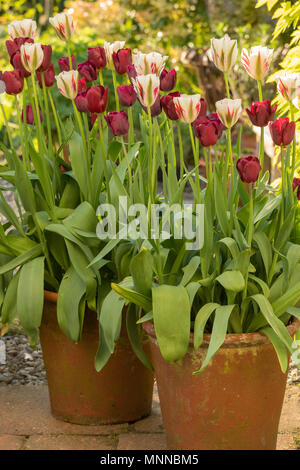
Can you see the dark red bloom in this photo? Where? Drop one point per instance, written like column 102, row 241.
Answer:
column 131, row 72
column 49, row 77
column 206, row 131
column 282, row 131
column 155, row 109
column 97, row 56
column 215, row 118
column 122, row 59
column 14, row 45
column 64, row 63
column 168, row 105
column 16, row 62
column 117, row 122
column 168, row 80
column 81, row 102
column 97, row 99
column 87, row 71
column 14, row 82
column 47, row 50
column 93, row 118
column 296, row 184
column 248, row 168
column 261, row 113
column 203, row 108
column 81, row 85
column 126, row 94
column 30, row 115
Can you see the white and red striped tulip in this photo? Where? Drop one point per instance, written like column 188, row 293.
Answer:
column 229, row 111
column 22, row 29
column 32, row 56
column 288, row 85
column 152, row 63
column 110, row 48
column 63, row 25
column 67, row 83
column 146, row 88
column 257, row 63
column 187, row 107
column 224, row 53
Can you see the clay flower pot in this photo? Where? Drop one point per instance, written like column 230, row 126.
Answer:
column 234, row 404
column 121, row 392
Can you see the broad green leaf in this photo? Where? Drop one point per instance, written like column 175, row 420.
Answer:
column 141, row 269
column 135, row 337
column 288, row 299
column 80, row 262
column 189, row 270
column 22, row 259
column 147, row 317
column 192, row 289
column 111, row 318
column 79, row 164
column 200, row 321
column 9, row 307
column 264, row 287
column 103, row 353
column 232, row 281
column 265, row 249
column 129, row 294
column 279, row 347
column 268, row 208
column 232, row 246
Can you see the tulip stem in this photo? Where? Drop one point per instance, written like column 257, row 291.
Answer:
column 294, row 144
column 104, row 157
column 101, row 77
column 196, row 161
column 70, row 56
column 182, row 165
column 21, row 133
column 115, row 88
column 170, row 130
column 35, row 108
column 227, row 84
column 262, row 149
column 129, row 170
column 260, row 94
column 55, row 117
column 283, row 181
column 79, row 122
column 7, row 126
column 131, row 127
column 150, row 162
column 47, row 115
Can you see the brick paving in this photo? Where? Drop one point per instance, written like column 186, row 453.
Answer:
column 26, row 424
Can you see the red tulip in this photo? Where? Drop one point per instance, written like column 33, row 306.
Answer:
column 203, row 108
column 93, row 118
column 117, row 122
column 97, row 57
column 155, row 109
column 81, row 85
column 47, row 50
column 88, row 71
column 126, row 94
column 248, row 168
column 14, row 45
column 16, row 62
column 215, row 118
column 81, row 102
column 261, row 113
column 206, row 131
column 97, row 99
column 30, row 115
column 131, row 72
column 14, row 82
column 282, row 131
column 168, row 80
column 122, row 59
column 64, row 63
column 168, row 105
column 49, row 77
column 296, row 184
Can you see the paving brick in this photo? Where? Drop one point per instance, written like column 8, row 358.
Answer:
column 290, row 416
column 8, row 442
column 286, row 442
column 64, row 442
column 136, row 441
column 151, row 424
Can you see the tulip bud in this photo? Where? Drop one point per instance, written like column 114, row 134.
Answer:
column 229, row 111
column 296, row 184
column 146, row 88
column 257, row 63
column 117, row 122
column 63, row 25
column 22, row 29
column 167, row 80
column 152, row 63
column 168, row 105
column 110, row 48
column 206, row 131
column 32, row 56
column 49, row 77
column 187, row 107
column 14, row 82
column 14, row 45
column 81, row 85
column 97, row 97
column 121, row 60
column 16, row 62
column 47, row 50
column 248, row 168
column 81, row 102
column 218, row 123
column 288, row 85
column 67, row 83
column 97, row 56
column 30, row 115
column 64, row 63
column 203, row 108
column 88, row 71
column 261, row 113
column 155, row 109
column 282, row 131
column 224, row 53
column 126, row 95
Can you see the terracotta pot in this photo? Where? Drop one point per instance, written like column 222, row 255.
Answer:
column 234, row 404
column 121, row 392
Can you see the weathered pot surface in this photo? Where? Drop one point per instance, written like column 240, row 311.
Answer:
column 121, row 392
column 234, row 404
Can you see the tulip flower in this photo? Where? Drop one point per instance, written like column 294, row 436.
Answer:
column 81, row 85
column 282, row 131
column 203, row 108
column 47, row 50
column 131, row 72
column 64, row 63
column 147, row 88
column 88, row 71
column 296, row 184
column 110, row 48
column 167, row 80
column 127, row 95
column 156, row 108
column 32, row 56
column 2, row 84
column 14, row 82
column 67, row 83
column 14, row 45
column 229, row 111
column 93, row 119
column 224, row 53
column 117, row 122
column 22, row 29
column 168, row 105
column 121, row 60
column 206, row 131
column 187, row 107
column 81, row 102
column 30, row 115
column 248, row 169
column 63, row 25
column 261, row 113
column 49, row 77
column 218, row 123
column 288, row 85
column 257, row 63
column 97, row 56
column 17, row 64
column 152, row 63
column 97, row 97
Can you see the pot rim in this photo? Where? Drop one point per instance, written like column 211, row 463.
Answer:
column 50, row 296
column 235, row 340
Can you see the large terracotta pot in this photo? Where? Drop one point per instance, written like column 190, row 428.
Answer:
column 235, row 403
column 121, row 392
